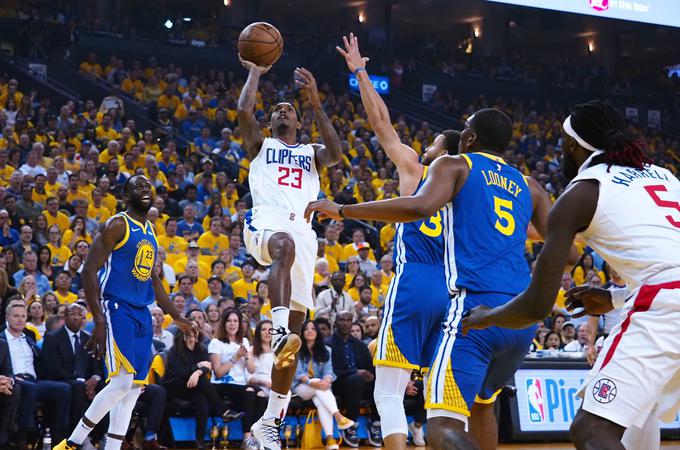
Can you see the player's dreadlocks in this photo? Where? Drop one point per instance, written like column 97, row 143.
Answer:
column 603, row 126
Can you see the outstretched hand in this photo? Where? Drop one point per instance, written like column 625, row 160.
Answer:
column 351, row 53
column 306, row 81
column 594, row 300
column 252, row 67
column 324, row 207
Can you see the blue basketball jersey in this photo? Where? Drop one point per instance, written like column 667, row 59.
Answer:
column 126, row 275
column 421, row 241
column 486, row 228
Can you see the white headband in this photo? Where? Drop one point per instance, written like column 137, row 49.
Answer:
column 570, row 131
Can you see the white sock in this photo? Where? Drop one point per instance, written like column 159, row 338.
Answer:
column 277, row 405
column 113, row 443
column 280, row 317
column 80, row 433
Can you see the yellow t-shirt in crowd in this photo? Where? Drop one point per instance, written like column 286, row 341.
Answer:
column 174, row 245
column 68, row 235
column 51, row 189
column 214, row 244
column 242, row 288
column 77, row 195
column 387, row 278
column 350, row 250
column 229, row 271
column 580, row 277
column 335, row 251
column 107, row 135
column 5, row 173
column 61, row 220
column 40, row 198
column 100, row 214
column 60, row 255
column 66, row 299
column 110, row 202
column 387, row 233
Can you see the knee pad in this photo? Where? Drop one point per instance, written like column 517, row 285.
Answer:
column 392, row 413
column 390, row 385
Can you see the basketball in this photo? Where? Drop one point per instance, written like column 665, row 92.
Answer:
column 260, row 43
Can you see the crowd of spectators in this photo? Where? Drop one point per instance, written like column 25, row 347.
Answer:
column 61, row 174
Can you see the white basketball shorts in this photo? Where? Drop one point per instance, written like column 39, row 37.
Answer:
column 639, row 365
column 260, row 223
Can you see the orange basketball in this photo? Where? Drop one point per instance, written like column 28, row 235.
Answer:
column 260, row 43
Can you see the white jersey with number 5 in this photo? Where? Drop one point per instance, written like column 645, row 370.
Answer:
column 636, row 226
column 284, row 176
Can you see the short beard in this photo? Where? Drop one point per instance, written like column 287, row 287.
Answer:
column 139, row 205
column 282, row 128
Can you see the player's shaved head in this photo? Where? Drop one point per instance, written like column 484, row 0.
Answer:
column 130, row 183
column 487, row 129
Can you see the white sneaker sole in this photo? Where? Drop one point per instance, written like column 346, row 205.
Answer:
column 255, row 429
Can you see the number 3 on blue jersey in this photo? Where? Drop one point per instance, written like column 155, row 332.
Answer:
column 433, row 226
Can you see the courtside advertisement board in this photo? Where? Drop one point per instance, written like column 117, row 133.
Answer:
column 660, row 12
column 547, row 400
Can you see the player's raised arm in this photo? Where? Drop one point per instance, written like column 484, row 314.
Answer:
column 403, row 156
column 102, row 246
column 329, row 154
column 571, row 214
column 446, row 176
column 245, row 111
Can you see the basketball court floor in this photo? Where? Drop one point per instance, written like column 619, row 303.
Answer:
column 558, row 446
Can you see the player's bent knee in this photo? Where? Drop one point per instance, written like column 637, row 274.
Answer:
column 392, row 414
column 282, row 247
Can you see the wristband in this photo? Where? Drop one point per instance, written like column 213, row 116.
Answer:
column 233, row 361
column 359, row 69
column 308, row 382
column 619, row 297
column 340, row 211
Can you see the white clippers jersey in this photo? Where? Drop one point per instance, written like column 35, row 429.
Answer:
column 284, row 177
column 636, row 226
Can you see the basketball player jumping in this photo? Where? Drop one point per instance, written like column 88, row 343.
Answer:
column 628, row 211
column 413, row 310
column 284, row 177
column 119, row 284
column 488, row 205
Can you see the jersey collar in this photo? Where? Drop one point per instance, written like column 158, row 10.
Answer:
column 493, row 157
column 136, row 222
column 289, row 146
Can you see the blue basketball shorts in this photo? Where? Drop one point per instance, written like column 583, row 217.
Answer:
column 475, row 367
column 415, row 308
column 129, row 335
